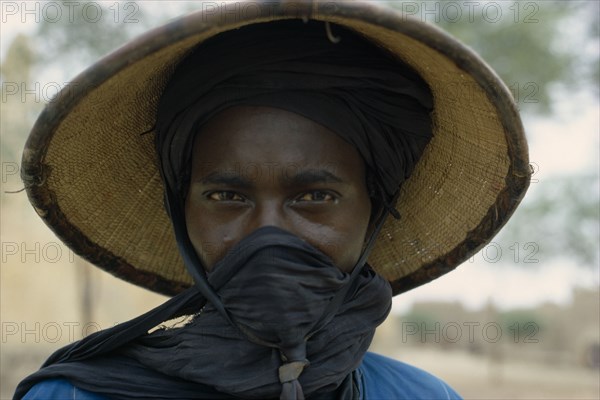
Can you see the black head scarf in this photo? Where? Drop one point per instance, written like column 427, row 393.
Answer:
column 274, row 347
column 353, row 88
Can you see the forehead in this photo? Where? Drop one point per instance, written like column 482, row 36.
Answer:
column 265, row 137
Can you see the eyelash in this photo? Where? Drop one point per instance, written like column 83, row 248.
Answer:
column 325, row 193
column 210, row 195
column 329, row 196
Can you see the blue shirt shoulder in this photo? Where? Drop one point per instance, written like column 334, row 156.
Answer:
column 380, row 378
column 60, row 389
column 384, row 378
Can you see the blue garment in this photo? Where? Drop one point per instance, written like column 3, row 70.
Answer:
column 385, row 379
column 379, row 378
column 60, row 389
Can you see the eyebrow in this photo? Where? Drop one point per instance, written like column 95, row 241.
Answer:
column 300, row 178
column 227, row 179
column 312, row 176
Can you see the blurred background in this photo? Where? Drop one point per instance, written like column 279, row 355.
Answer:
column 518, row 320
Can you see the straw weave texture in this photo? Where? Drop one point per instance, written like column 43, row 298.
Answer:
column 461, row 172
column 104, row 185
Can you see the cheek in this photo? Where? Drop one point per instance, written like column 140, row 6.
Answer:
column 207, row 235
column 343, row 242
column 352, row 246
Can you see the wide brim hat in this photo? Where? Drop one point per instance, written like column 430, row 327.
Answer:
column 91, row 171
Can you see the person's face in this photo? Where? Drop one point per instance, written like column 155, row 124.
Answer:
column 259, row 166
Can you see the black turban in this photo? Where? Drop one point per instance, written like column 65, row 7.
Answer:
column 344, row 83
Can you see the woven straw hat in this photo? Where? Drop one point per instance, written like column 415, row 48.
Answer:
column 93, row 177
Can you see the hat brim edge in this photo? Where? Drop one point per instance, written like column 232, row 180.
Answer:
column 33, row 170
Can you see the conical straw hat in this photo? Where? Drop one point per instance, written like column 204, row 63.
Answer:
column 92, row 175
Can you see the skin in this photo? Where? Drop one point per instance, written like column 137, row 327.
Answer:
column 259, row 166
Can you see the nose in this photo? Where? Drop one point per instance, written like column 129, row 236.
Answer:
column 270, row 213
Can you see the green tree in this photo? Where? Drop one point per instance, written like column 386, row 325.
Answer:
column 15, row 116
column 526, row 42
column 561, row 220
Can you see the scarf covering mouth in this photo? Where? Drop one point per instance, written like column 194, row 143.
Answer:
column 278, row 291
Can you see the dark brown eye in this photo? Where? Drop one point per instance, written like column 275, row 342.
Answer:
column 225, row 195
column 316, row 195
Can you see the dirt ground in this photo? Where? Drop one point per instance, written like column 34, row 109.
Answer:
column 476, row 377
